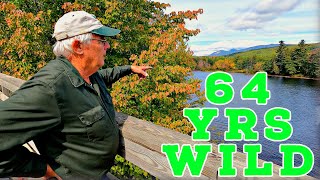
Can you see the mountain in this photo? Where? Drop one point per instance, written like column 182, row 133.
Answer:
column 233, row 51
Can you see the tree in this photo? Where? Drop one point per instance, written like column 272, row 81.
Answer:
column 161, row 97
column 51, row 12
column 136, row 20
column 224, row 65
column 281, row 57
column 299, row 58
column 290, row 67
column 268, row 66
column 25, row 35
column 312, row 67
column 23, row 41
column 258, row 66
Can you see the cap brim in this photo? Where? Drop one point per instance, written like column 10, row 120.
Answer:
column 106, row 31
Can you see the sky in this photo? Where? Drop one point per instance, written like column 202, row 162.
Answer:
column 239, row 24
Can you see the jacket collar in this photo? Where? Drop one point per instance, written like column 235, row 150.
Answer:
column 73, row 74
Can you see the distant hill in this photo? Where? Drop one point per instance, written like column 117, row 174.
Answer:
column 265, row 54
column 233, row 51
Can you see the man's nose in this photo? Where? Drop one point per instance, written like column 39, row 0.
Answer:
column 106, row 46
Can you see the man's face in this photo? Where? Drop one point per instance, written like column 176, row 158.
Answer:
column 95, row 52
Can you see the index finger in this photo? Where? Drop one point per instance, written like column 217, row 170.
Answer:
column 146, row 67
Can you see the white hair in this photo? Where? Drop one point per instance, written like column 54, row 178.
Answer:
column 63, row 47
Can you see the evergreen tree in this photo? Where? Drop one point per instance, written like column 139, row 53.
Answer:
column 299, row 58
column 281, row 57
column 291, row 66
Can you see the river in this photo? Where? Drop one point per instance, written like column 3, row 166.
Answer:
column 300, row 96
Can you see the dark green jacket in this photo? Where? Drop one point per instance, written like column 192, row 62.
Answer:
column 72, row 123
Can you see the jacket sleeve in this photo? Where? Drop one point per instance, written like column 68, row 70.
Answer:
column 30, row 111
column 111, row 75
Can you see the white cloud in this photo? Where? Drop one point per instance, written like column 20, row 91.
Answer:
column 276, row 6
column 261, row 13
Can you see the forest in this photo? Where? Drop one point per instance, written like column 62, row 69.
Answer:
column 301, row 60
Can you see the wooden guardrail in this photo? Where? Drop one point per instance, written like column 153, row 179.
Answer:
column 141, row 144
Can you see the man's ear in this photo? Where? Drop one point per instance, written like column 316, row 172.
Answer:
column 77, row 47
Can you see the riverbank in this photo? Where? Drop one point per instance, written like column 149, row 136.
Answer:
column 292, row 77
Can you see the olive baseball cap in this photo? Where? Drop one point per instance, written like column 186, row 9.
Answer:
column 80, row 22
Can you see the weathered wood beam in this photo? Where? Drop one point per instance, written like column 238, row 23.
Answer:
column 3, row 97
column 9, row 83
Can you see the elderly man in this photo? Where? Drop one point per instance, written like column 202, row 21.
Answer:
column 65, row 108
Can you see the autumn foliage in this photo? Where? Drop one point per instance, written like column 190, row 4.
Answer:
column 23, row 48
column 148, row 36
column 163, row 95
column 224, row 65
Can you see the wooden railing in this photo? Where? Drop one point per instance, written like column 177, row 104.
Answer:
column 142, row 140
